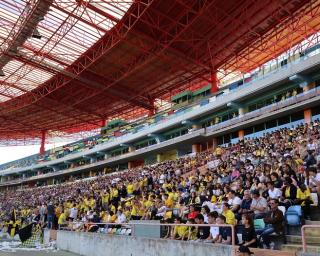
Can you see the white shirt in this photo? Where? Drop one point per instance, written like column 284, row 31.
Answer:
column 214, row 231
column 162, row 178
column 275, row 193
column 234, row 201
column 121, row 218
column 73, row 212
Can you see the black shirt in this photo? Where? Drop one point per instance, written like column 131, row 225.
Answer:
column 203, row 232
column 224, row 232
column 248, row 234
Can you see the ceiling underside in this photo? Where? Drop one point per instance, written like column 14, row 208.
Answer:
column 153, row 52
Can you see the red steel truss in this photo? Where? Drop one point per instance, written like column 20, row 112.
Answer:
column 98, row 60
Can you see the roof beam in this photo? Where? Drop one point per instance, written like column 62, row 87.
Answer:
column 102, row 47
column 27, row 21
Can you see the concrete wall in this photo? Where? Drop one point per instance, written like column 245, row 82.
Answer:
column 93, row 244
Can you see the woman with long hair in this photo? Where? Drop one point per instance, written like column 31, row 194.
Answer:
column 249, row 237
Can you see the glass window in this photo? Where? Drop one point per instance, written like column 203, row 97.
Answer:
column 284, row 120
column 259, row 127
column 234, row 135
column 315, row 111
column 248, row 130
column 226, row 138
column 271, row 124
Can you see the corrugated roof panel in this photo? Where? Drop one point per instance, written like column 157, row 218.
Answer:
column 68, row 30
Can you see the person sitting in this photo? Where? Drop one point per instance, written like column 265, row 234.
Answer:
column 259, row 205
column 245, row 205
column 214, row 230
column 273, row 221
column 230, row 217
column 234, row 201
column 304, row 199
column 203, row 231
column 225, row 236
column 273, row 192
column 179, row 232
column 249, row 237
column 289, row 193
column 192, row 212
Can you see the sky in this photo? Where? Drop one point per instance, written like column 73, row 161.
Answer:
column 12, row 153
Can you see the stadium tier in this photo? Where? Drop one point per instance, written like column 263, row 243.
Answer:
column 221, row 159
column 274, row 100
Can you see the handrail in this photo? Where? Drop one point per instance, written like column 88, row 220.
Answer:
column 303, row 228
column 133, row 224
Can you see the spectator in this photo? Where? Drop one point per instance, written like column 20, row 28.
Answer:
column 304, row 199
column 258, row 205
column 214, row 230
column 234, row 201
column 289, row 193
column 203, row 231
column 245, row 205
column 273, row 221
column 179, row 232
column 249, row 237
column 273, row 193
column 228, row 214
column 73, row 213
column 225, row 236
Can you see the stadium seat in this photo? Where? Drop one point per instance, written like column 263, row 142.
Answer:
column 259, row 224
column 314, row 198
column 293, row 215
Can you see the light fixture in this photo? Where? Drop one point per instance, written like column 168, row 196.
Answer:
column 36, row 34
column 1, row 73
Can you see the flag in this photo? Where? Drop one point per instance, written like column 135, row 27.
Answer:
column 26, row 232
column 13, row 225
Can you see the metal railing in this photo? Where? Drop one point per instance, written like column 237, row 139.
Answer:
column 267, row 109
column 303, row 229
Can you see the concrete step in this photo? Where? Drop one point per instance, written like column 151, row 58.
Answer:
column 265, row 252
column 312, row 222
column 313, row 240
column 298, row 248
column 315, row 232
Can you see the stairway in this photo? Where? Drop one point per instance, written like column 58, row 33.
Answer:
column 294, row 239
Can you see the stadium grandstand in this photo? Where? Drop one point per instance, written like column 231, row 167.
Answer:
column 192, row 127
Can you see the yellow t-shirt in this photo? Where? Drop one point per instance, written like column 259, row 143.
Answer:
column 168, row 203
column 115, row 193
column 230, row 218
column 303, row 195
column 181, row 230
column 287, row 192
column 62, row 218
column 130, row 189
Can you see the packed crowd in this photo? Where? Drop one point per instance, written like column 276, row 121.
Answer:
column 237, row 184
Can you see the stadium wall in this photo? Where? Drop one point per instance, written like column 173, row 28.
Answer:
column 95, row 244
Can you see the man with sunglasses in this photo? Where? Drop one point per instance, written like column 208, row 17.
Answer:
column 273, row 221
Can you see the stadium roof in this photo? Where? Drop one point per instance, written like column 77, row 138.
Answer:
column 97, row 59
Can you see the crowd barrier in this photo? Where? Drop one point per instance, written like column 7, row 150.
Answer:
column 304, row 242
column 104, row 226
